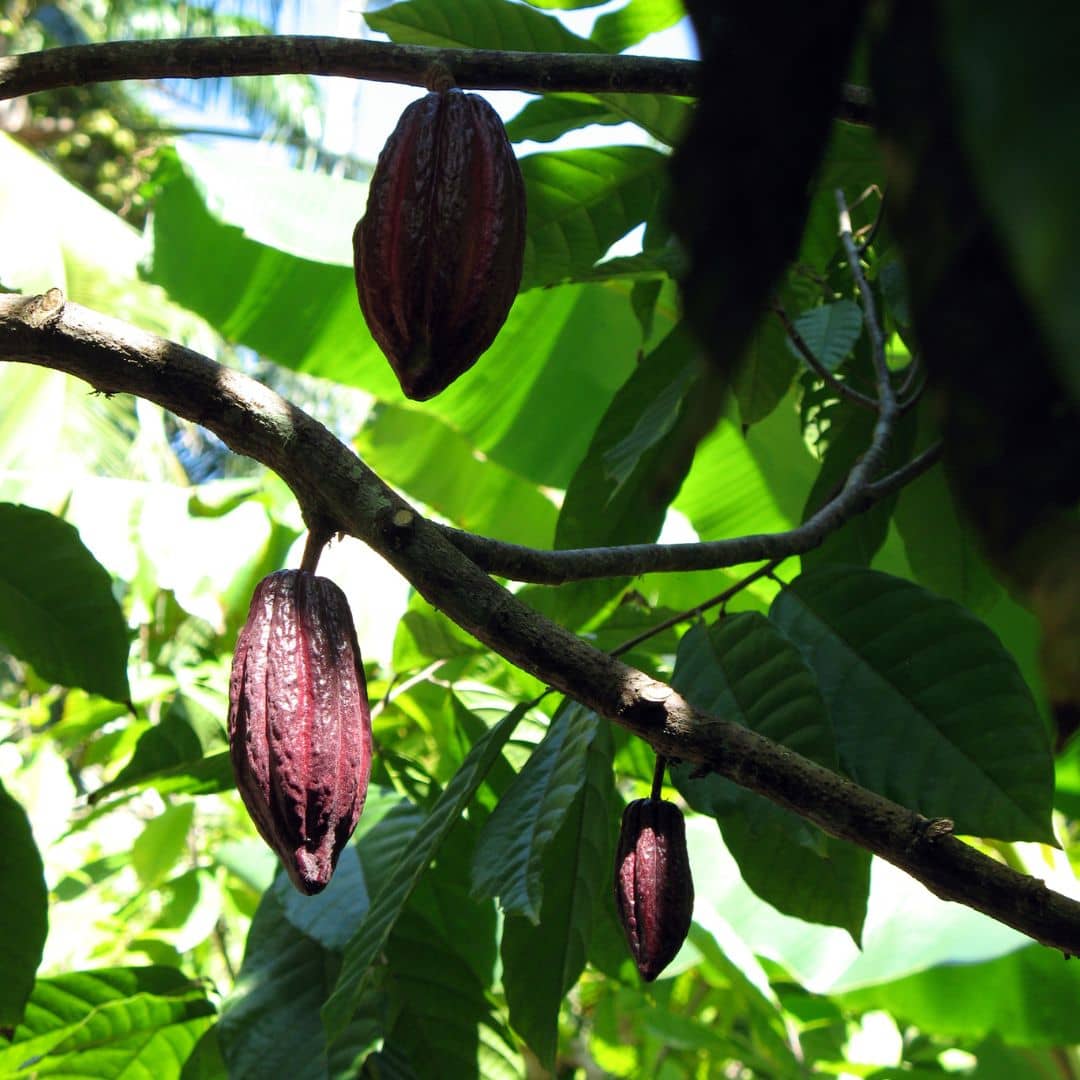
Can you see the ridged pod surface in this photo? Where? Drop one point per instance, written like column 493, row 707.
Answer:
column 299, row 723
column 438, row 253
column 654, row 892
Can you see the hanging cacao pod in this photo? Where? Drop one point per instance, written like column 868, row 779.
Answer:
column 299, row 723
column 438, row 253
column 654, row 892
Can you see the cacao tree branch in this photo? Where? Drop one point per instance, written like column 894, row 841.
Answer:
column 544, row 567
column 332, row 484
column 378, row 61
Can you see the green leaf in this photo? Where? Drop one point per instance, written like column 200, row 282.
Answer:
column 443, row 1019
column 186, row 736
column 1015, row 90
column 743, row 669
column 638, row 457
column 566, row 5
column 927, row 706
column 423, row 456
column 858, row 541
column 475, row 24
column 546, row 118
column 1026, row 999
column 425, row 634
column 111, row 1022
column 162, row 842
column 830, row 331
column 387, row 903
column 939, row 547
column 581, row 202
column 640, row 452
column 332, row 916
column 764, row 377
column 272, row 1012
column 25, row 901
column 510, row 850
column 542, row 962
column 617, row 30
column 57, row 610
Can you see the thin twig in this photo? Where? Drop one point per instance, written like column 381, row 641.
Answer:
column 699, row 609
column 819, row 369
column 885, row 393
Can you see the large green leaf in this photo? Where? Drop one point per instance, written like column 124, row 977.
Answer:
column 57, row 610
column 475, row 24
column 113, row 1022
column 163, row 840
column 823, row 958
column 765, row 374
column 1015, row 98
column 640, row 452
column 616, row 30
column 939, row 547
column 928, row 707
column 547, row 118
column 24, row 899
column 443, row 1019
column 509, row 853
column 743, row 669
column 424, row 457
column 389, row 900
column 581, row 202
column 542, row 962
column 272, row 1012
column 174, row 751
column 1026, row 999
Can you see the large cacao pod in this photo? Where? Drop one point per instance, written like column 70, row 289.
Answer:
column 438, row 253
column 654, row 892
column 299, row 723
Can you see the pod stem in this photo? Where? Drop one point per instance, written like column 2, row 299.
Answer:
column 317, row 539
column 439, row 78
column 658, row 777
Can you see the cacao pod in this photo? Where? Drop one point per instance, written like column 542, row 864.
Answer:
column 654, row 892
column 438, row 253
column 299, row 723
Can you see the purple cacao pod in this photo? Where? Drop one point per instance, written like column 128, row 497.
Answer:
column 438, row 253
column 299, row 723
column 654, row 892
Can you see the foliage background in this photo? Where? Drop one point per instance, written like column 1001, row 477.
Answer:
column 174, row 944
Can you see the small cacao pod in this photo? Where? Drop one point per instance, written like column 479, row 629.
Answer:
column 299, row 723
column 654, row 892
column 438, row 253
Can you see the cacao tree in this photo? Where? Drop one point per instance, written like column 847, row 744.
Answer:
column 755, row 533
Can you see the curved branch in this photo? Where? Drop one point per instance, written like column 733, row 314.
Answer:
column 334, row 485
column 542, row 567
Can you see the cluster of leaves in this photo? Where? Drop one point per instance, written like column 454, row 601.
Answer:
column 470, row 928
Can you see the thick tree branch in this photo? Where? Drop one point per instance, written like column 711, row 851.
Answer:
column 333, row 485
column 378, row 61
